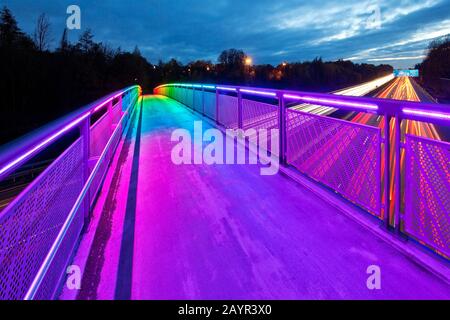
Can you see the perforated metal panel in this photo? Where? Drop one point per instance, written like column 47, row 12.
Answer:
column 189, row 98
column 117, row 113
column 342, row 155
column 210, row 105
column 100, row 134
column 258, row 115
column 31, row 223
column 228, row 111
column 96, row 184
column 427, row 205
column 198, row 101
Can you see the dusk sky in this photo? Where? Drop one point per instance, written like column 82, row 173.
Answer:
column 269, row 31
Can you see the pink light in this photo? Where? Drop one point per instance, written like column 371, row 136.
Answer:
column 43, row 143
column 102, row 105
column 262, row 93
column 107, row 101
column 438, row 115
column 332, row 102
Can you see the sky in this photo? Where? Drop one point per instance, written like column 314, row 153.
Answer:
column 270, row 31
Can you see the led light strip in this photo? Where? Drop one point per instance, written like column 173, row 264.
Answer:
column 226, row 89
column 71, row 125
column 431, row 114
column 332, row 102
column 107, row 101
column 31, row 293
column 44, row 143
column 262, row 93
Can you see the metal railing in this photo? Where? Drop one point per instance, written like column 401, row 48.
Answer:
column 358, row 161
column 41, row 227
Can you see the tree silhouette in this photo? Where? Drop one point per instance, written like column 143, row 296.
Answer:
column 435, row 69
column 42, row 33
column 86, row 42
column 10, row 34
column 64, row 44
column 39, row 85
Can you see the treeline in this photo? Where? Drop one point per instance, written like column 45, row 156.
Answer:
column 435, row 69
column 39, row 85
column 316, row 75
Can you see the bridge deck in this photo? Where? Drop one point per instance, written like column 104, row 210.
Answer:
column 214, row 232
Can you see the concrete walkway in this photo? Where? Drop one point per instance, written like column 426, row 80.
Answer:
column 162, row 231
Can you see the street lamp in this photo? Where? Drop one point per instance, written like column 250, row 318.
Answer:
column 248, row 61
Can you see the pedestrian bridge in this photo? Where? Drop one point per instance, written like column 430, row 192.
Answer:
column 114, row 208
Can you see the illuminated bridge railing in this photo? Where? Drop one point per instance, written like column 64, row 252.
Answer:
column 356, row 160
column 40, row 228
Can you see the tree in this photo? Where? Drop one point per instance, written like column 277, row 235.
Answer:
column 435, row 69
column 86, row 42
column 137, row 52
column 232, row 65
column 42, row 38
column 64, row 44
column 10, row 34
column 232, row 58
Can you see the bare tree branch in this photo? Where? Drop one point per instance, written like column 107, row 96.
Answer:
column 42, row 33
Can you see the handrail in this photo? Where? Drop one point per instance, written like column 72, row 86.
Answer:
column 388, row 147
column 427, row 112
column 78, row 203
column 15, row 153
column 74, row 162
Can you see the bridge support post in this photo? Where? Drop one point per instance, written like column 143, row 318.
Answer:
column 217, row 106
column 239, row 97
column 203, row 101
column 193, row 98
column 282, row 128
column 110, row 115
column 397, row 173
column 85, row 133
column 387, row 179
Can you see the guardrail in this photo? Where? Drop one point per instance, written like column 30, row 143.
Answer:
column 40, row 228
column 358, row 161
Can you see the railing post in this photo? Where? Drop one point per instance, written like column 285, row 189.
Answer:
column 193, row 98
column 85, row 134
column 239, row 97
column 387, row 120
column 217, row 106
column 203, row 101
column 109, row 110
column 397, row 173
column 282, row 136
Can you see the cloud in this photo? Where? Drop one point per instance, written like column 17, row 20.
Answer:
column 270, row 31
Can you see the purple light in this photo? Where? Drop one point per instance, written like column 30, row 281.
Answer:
column 430, row 114
column 43, row 143
column 226, row 89
column 262, row 93
column 102, row 105
column 107, row 101
column 332, row 102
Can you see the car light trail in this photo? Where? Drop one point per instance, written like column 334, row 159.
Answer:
column 335, row 102
column 357, row 91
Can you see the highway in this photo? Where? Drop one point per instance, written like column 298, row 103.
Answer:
column 401, row 88
column 357, row 91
